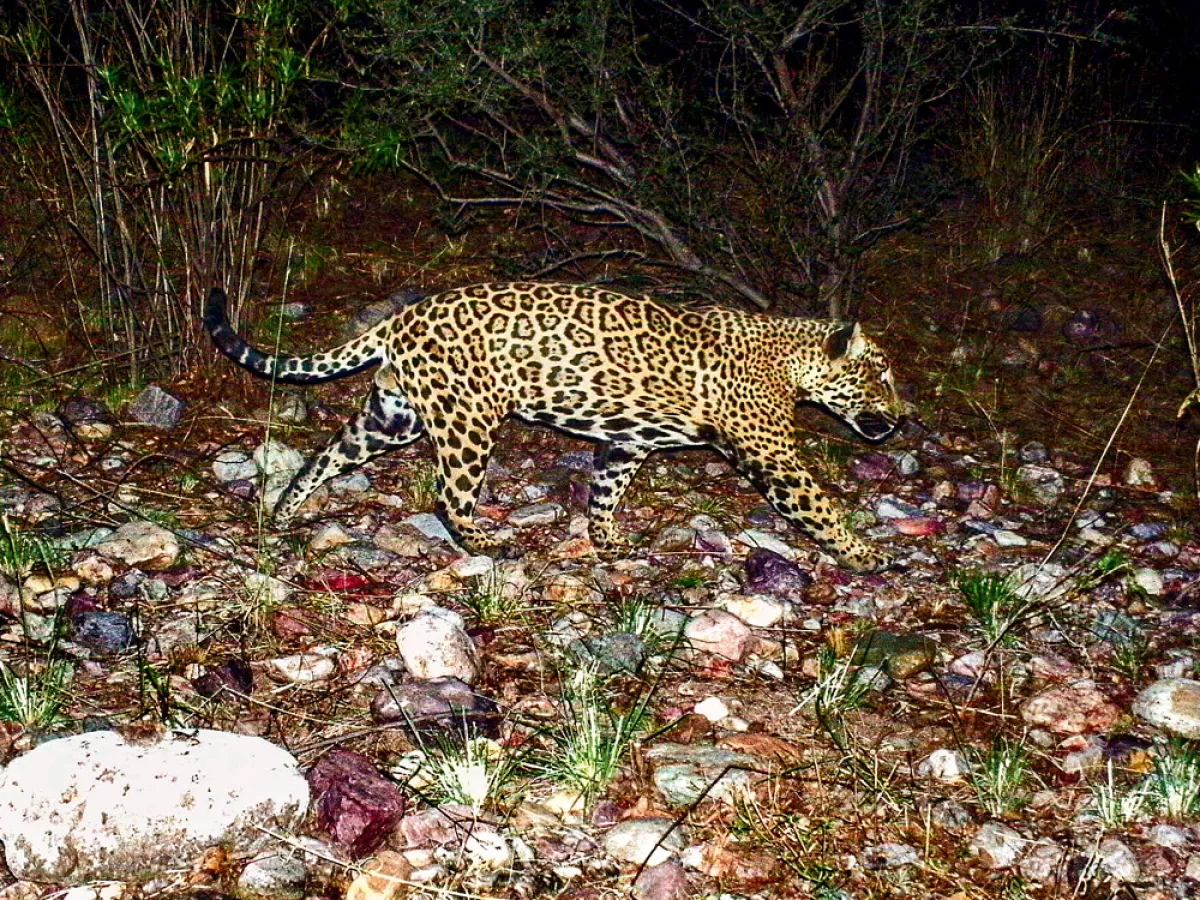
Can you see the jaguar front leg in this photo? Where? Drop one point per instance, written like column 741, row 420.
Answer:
column 613, row 471
column 799, row 499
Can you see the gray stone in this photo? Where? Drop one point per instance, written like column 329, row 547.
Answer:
column 1172, row 704
column 891, row 856
column 1044, row 863
column 891, row 507
column 143, row 544
column 612, row 653
column 366, row 556
column 996, row 845
column 1171, row 837
column 156, row 408
column 430, row 526
column 536, row 514
column 1118, row 860
column 234, row 465
column 274, row 875
column 97, row 807
column 685, row 773
column 1045, row 484
column 649, row 841
column 437, row 706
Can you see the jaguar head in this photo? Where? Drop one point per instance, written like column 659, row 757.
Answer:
column 852, row 379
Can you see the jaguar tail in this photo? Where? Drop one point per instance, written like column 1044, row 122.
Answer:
column 351, row 357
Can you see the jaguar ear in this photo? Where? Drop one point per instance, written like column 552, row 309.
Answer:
column 846, row 342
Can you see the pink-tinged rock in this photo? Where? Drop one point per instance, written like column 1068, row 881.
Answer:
column 1071, row 709
column 719, row 633
column 438, row 826
column 666, row 881
column 768, row 572
column 918, row 526
column 354, row 803
column 979, row 492
column 873, row 467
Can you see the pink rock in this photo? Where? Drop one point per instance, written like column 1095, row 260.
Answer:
column 357, row 805
column 437, row 826
column 1071, row 709
column 719, row 633
column 873, row 467
column 918, row 526
column 666, row 881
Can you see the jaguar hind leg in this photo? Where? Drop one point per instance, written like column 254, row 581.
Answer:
column 387, row 421
column 614, row 469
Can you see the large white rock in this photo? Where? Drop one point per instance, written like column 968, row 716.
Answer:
column 142, row 544
column 99, row 806
column 434, row 644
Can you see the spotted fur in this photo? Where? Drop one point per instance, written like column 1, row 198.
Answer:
column 634, row 374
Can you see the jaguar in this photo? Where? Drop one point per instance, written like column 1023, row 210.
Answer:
column 630, row 372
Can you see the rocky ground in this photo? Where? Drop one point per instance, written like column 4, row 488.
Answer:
column 719, row 712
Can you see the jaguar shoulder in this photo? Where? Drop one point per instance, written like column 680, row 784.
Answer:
column 632, row 373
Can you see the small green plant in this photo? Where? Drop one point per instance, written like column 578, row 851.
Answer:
column 590, row 744
column 1129, row 657
column 422, row 487
column 1174, row 784
column 492, row 601
column 1118, row 805
column 34, row 699
column 21, row 553
column 468, row 769
column 994, row 602
column 998, row 776
column 840, row 688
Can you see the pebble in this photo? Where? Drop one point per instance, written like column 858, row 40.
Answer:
column 1118, row 860
column 430, row 526
column 354, row 803
column 274, row 875
column 1006, row 538
column 1045, row 484
column 945, row 765
column 234, row 465
column 773, row 573
column 303, row 668
column 156, row 408
column 873, row 467
column 997, row 846
column 618, row 653
column 720, row 634
column 100, row 806
column 1170, row 836
column 900, row 655
column 666, row 881
column 642, row 842
column 148, row 546
column 1044, row 863
column 1149, row 580
column 890, row 507
column 386, row 876
column 1172, row 704
column 752, row 537
column 684, row 773
column 1139, row 473
column 329, row 536
column 434, row 644
column 890, row 856
column 104, row 633
column 536, row 514
column 276, row 460
column 756, row 610
column 712, row 708
column 1071, row 709
column 1148, row 531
